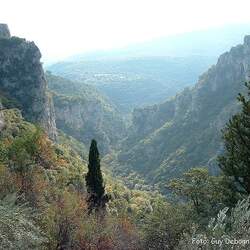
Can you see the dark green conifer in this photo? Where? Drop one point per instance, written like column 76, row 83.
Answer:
column 236, row 160
column 94, row 179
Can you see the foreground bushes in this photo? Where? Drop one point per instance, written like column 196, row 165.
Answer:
column 18, row 228
column 229, row 230
column 51, row 211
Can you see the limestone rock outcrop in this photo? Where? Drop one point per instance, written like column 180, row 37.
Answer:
column 82, row 112
column 22, row 80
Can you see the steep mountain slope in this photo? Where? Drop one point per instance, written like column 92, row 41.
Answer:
column 184, row 132
column 134, row 82
column 82, row 112
column 22, row 81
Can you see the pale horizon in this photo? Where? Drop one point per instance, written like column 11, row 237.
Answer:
column 65, row 28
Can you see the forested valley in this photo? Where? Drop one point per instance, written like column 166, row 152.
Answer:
column 82, row 167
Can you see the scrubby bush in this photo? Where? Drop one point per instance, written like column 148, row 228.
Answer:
column 18, row 229
column 229, row 230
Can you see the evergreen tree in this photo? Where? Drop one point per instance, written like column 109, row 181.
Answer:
column 236, row 160
column 94, row 179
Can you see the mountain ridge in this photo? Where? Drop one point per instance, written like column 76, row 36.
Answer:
column 84, row 113
column 198, row 42
column 22, row 81
column 150, row 72
column 183, row 132
column 136, row 82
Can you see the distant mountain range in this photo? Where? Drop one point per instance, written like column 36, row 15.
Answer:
column 151, row 72
column 136, row 82
column 167, row 139
column 209, row 42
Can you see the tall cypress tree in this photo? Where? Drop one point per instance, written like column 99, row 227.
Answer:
column 236, row 160
column 94, row 179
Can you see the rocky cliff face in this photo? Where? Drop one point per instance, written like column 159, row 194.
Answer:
column 22, row 80
column 88, row 120
column 82, row 112
column 184, row 132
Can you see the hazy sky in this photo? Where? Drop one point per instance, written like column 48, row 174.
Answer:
column 65, row 27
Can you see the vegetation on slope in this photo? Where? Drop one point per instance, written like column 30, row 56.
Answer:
column 165, row 140
column 49, row 207
column 82, row 112
column 45, row 188
column 48, row 179
column 136, row 82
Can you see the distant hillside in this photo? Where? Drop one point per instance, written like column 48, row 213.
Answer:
column 167, row 139
column 82, row 112
column 130, row 83
column 150, row 72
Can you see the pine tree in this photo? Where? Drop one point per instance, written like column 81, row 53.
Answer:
column 236, row 160
column 94, row 180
